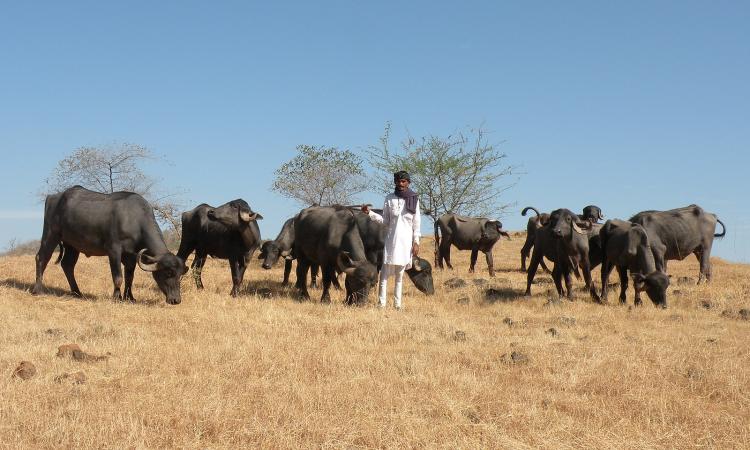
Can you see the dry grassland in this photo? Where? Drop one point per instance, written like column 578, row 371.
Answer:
column 218, row 372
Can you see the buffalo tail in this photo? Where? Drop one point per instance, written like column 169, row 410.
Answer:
column 526, row 209
column 723, row 229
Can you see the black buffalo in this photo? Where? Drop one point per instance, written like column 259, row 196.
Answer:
column 677, row 233
column 591, row 213
column 281, row 247
column 120, row 226
column 565, row 241
column 229, row 231
column 625, row 245
column 467, row 233
column 333, row 238
column 420, row 273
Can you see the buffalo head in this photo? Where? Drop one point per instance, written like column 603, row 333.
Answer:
column 564, row 223
column 360, row 277
column 655, row 284
column 420, row 274
column 234, row 214
column 270, row 252
column 167, row 270
column 592, row 213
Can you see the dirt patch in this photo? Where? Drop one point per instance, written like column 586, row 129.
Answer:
column 25, row 370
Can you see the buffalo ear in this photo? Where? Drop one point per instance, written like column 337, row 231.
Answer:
column 639, row 282
column 286, row 253
column 544, row 219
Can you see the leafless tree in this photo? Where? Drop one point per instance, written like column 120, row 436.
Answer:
column 111, row 168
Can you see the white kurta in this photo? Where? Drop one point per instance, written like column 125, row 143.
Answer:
column 403, row 229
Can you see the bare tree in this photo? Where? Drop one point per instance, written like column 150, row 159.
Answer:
column 111, row 168
column 321, row 175
column 461, row 173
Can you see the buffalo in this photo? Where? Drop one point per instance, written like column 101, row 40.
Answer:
column 625, row 245
column 677, row 233
column 120, row 226
column 281, row 247
column 565, row 241
column 229, row 231
column 591, row 213
column 333, row 238
column 467, row 233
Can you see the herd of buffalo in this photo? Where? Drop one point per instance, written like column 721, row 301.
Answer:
column 342, row 239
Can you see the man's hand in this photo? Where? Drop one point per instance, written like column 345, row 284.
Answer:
column 366, row 209
column 415, row 249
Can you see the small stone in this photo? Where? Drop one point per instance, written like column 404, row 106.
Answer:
column 706, row 304
column 67, row 350
column 745, row 314
column 25, row 370
column 455, row 283
column 569, row 321
column 508, row 321
column 685, row 280
column 459, row 336
column 479, row 282
column 75, row 378
column 552, row 332
column 463, row 301
column 53, row 331
column 694, row 373
column 727, row 313
column 711, row 340
column 677, row 292
column 518, row 357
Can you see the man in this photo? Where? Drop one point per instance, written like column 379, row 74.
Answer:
column 402, row 220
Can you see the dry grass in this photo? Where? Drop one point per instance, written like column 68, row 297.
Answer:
column 217, row 372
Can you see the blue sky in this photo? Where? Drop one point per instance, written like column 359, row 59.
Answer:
column 629, row 105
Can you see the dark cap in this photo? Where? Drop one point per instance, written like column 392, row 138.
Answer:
column 401, row 175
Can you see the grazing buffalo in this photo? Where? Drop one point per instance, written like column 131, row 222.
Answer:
column 677, row 233
column 281, row 247
column 467, row 233
column 565, row 241
column 120, row 226
column 591, row 213
column 228, row 232
column 333, row 238
column 625, row 245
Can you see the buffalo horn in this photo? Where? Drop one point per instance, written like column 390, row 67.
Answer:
column 147, row 266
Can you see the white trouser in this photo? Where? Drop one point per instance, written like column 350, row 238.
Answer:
column 398, row 273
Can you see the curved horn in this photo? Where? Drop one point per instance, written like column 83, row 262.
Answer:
column 147, row 266
column 577, row 229
column 415, row 265
column 286, row 253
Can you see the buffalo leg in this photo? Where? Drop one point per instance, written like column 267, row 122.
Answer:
column 557, row 278
column 301, row 284
column 46, row 249
column 327, row 272
column 525, row 251
column 705, row 262
column 445, row 253
column 197, row 266
column 568, row 282
column 490, row 262
column 234, row 266
column 68, row 264
column 586, row 266
column 536, row 257
column 129, row 262
column 115, row 256
column 606, row 270
column 474, row 253
column 544, row 266
column 623, row 272
column 287, row 271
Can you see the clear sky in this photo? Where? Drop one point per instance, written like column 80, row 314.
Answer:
column 626, row 105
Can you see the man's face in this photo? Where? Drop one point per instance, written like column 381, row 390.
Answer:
column 401, row 184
